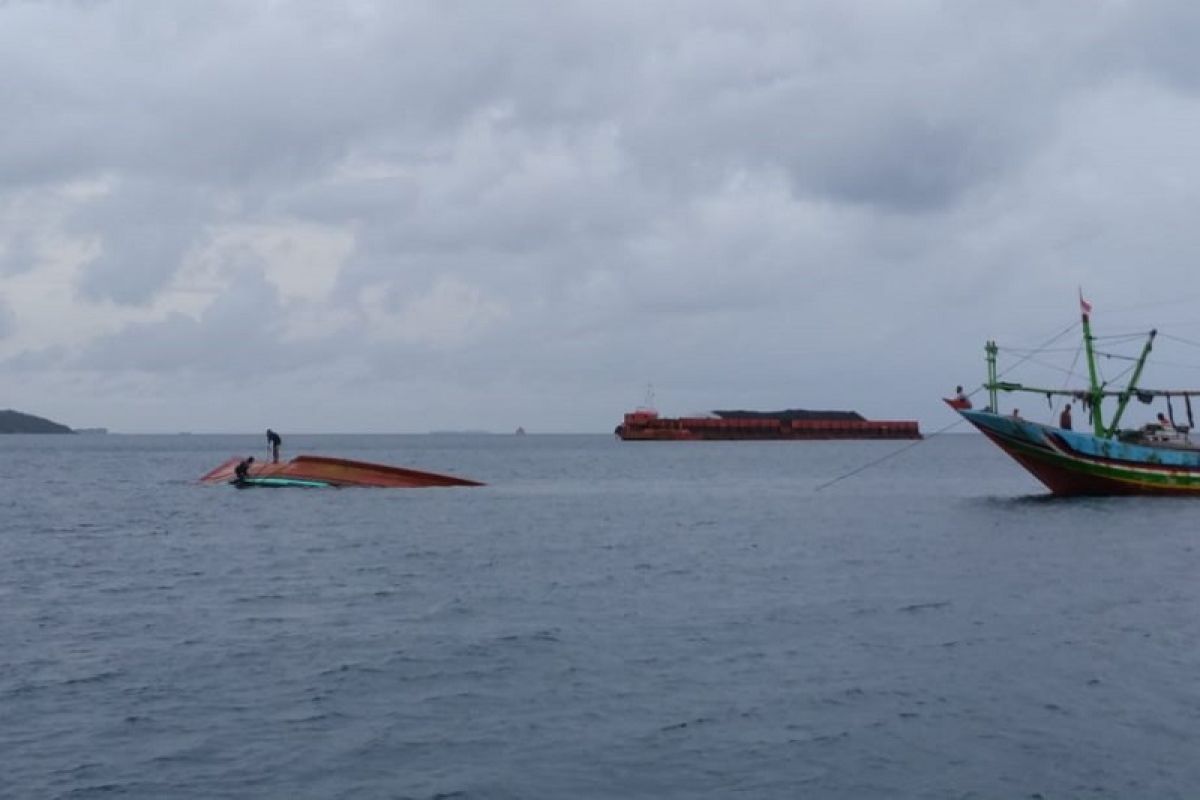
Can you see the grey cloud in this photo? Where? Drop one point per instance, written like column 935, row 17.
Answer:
column 857, row 115
column 145, row 228
column 7, row 319
column 18, row 253
column 240, row 334
column 649, row 187
column 1157, row 38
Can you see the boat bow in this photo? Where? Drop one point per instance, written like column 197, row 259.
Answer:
column 1078, row 463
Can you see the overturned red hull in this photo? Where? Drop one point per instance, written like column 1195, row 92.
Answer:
column 339, row 472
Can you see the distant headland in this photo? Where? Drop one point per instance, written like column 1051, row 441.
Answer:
column 16, row 422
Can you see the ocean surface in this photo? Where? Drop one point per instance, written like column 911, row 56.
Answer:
column 602, row 620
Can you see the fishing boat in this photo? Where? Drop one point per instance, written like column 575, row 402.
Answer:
column 321, row 471
column 1156, row 459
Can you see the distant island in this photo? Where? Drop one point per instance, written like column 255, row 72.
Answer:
column 16, row 422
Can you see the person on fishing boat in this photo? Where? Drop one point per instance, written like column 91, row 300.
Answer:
column 1165, row 423
column 960, row 398
column 275, row 442
column 1064, row 419
column 242, row 469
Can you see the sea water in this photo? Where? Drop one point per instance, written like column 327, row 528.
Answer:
column 602, row 620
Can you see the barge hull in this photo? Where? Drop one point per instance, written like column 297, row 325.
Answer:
column 643, row 426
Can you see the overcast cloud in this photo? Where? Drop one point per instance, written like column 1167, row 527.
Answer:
column 409, row 216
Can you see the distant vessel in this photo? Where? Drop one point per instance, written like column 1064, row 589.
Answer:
column 321, row 470
column 644, row 424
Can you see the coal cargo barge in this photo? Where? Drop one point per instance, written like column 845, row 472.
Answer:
column 645, row 425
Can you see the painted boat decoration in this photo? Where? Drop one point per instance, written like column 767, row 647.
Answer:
column 326, row 471
column 1155, row 459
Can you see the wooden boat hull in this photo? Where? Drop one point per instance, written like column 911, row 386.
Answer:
column 338, row 472
column 1079, row 463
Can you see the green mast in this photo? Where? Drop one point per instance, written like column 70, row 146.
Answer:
column 1096, row 394
column 991, row 350
column 1137, row 373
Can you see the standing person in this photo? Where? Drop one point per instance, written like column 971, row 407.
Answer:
column 1165, row 423
column 1064, row 419
column 275, row 442
column 960, row 398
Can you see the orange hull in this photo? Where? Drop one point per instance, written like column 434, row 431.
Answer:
column 339, row 472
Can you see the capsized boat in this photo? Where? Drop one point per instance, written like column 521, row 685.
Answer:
column 1156, row 459
column 336, row 472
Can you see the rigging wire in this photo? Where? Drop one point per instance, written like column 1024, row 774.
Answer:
column 1122, row 337
column 1030, row 352
column 1180, row 339
column 1176, row 364
column 940, row 431
column 1071, row 371
column 1020, row 350
column 1122, row 374
column 1043, row 346
column 885, row 457
column 1048, row 365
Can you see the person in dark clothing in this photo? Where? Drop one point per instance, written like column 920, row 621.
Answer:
column 1064, row 419
column 275, row 442
column 960, row 400
column 243, row 469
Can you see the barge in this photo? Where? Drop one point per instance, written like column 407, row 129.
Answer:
column 644, row 424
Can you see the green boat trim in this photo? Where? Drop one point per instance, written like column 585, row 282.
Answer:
column 278, row 483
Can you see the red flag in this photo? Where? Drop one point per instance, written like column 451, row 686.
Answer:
column 1084, row 305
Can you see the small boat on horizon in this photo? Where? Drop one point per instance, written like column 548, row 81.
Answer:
column 1155, row 459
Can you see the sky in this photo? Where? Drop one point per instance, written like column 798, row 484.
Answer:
column 403, row 216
